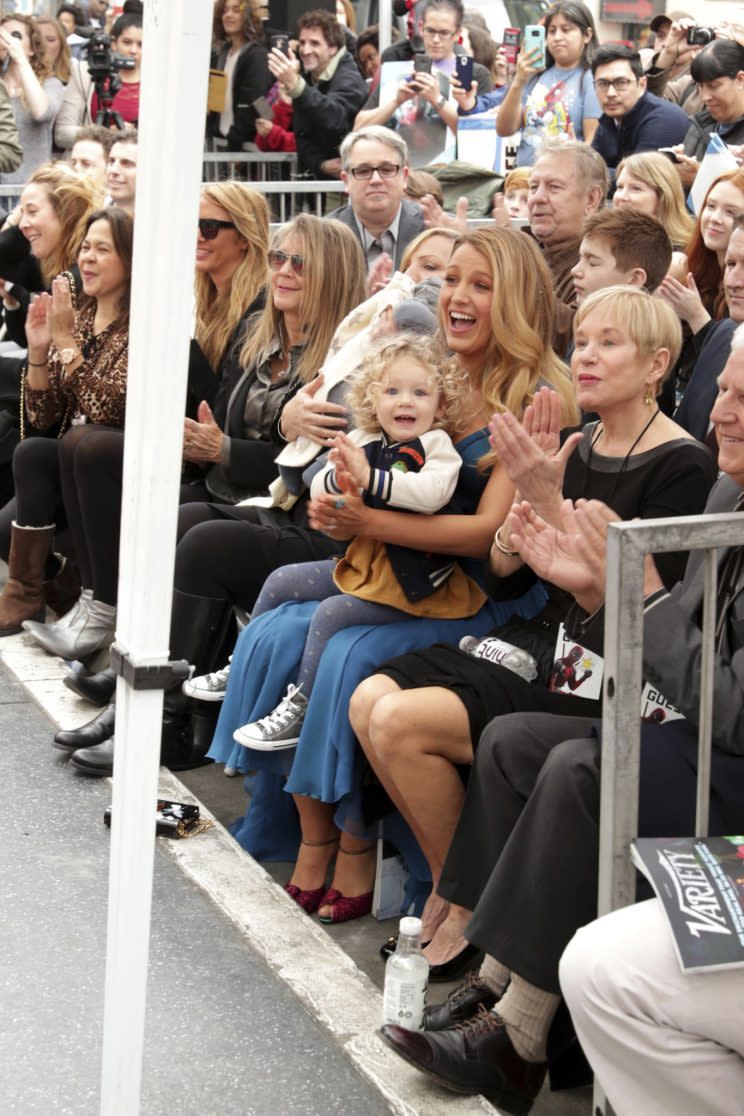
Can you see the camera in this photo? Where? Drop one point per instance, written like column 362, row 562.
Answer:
column 700, row 36
column 103, row 62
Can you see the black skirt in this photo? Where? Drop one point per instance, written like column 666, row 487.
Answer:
column 486, row 689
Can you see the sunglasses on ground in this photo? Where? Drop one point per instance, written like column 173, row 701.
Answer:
column 277, row 260
column 209, row 228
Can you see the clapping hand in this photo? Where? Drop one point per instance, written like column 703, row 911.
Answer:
column 346, row 457
column 38, row 334
column 380, row 273
column 60, row 314
column 340, row 517
column 435, row 216
column 685, row 299
column 572, row 555
column 202, row 440
column 531, row 454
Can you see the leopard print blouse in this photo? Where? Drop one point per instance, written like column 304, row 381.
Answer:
column 96, row 389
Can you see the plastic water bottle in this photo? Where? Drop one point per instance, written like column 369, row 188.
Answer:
column 406, row 978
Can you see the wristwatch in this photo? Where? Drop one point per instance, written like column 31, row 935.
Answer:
column 68, row 355
column 442, row 101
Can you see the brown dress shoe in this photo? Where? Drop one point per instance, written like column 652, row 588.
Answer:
column 476, row 1057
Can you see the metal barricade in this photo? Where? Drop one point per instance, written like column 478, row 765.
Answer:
column 627, row 546
column 249, row 166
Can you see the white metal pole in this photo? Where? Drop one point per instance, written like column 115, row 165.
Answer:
column 384, row 30
column 172, row 113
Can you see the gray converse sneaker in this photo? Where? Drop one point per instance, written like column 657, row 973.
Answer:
column 208, row 687
column 281, row 729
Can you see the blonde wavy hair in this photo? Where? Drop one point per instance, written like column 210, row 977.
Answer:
column 334, row 283
column 73, row 198
column 446, row 377
column 218, row 312
column 62, row 68
column 519, row 357
column 658, row 173
column 650, row 323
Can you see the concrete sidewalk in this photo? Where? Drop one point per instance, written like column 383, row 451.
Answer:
column 253, row 1007
column 224, row 1034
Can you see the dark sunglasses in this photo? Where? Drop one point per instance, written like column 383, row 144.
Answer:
column 277, row 260
column 209, row 228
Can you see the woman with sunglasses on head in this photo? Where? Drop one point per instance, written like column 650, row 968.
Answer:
column 230, row 286
column 226, row 550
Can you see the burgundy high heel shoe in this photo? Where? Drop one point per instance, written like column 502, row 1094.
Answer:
column 310, row 900
column 346, row 907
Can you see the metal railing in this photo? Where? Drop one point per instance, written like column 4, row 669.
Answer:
column 627, row 546
column 255, row 166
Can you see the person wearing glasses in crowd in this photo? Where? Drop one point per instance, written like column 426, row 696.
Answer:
column 439, row 26
column 374, row 172
column 632, row 119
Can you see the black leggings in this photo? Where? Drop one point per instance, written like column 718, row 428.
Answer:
column 75, row 482
column 220, row 555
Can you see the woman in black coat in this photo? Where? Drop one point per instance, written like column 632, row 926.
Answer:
column 241, row 56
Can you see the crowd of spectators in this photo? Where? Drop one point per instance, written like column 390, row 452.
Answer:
column 404, row 440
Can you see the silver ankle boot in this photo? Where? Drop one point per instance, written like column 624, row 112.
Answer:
column 74, row 618
column 91, row 632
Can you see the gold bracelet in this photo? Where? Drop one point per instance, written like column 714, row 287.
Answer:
column 500, row 546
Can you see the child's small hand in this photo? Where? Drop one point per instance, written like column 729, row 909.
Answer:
column 351, row 459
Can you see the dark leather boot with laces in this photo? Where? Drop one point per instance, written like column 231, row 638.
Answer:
column 461, row 1004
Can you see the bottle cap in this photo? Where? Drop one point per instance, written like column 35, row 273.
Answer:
column 410, row 926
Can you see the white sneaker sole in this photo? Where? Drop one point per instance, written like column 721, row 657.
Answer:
column 241, row 737
column 201, row 695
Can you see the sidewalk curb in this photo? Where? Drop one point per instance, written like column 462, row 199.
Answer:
column 326, row 981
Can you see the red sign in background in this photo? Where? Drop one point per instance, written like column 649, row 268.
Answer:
column 629, row 11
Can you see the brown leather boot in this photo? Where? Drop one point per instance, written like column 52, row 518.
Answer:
column 23, row 596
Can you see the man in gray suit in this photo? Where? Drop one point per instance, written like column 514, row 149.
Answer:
column 524, row 857
column 374, row 164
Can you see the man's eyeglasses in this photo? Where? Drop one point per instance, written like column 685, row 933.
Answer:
column 277, row 260
column 209, row 229
column 619, row 84
column 433, row 33
column 365, row 172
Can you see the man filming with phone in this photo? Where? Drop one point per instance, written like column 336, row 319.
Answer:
column 439, row 28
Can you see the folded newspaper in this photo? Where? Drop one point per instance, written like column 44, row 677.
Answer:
column 700, row 881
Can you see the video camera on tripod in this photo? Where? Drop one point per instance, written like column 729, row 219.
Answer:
column 104, row 65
